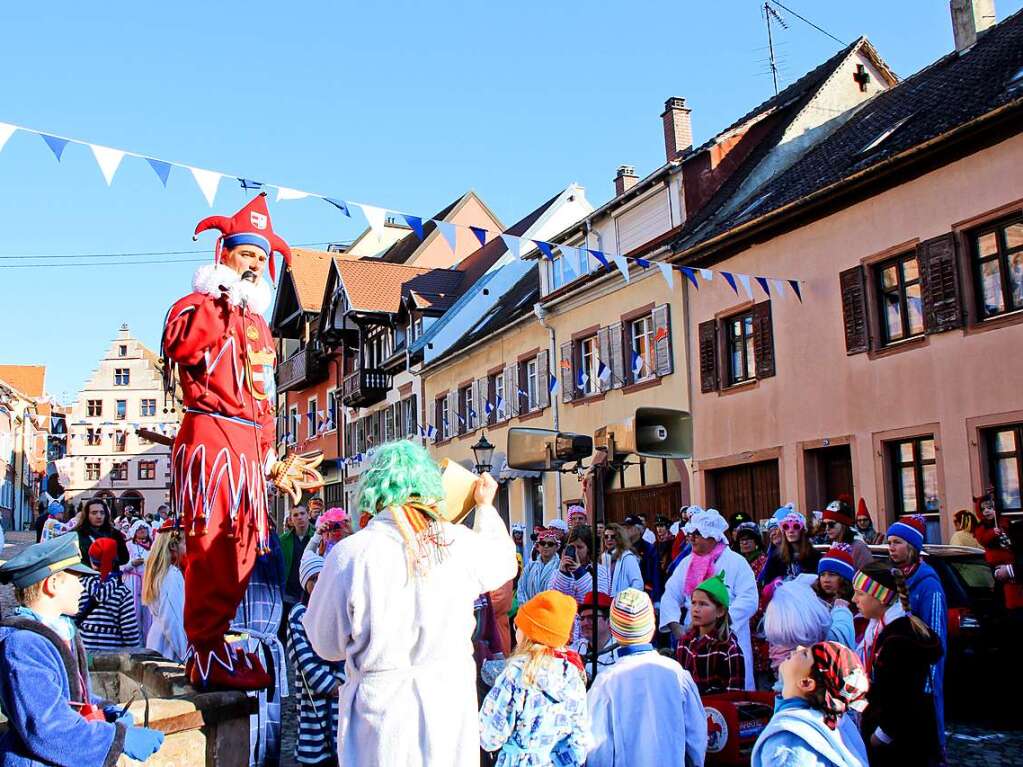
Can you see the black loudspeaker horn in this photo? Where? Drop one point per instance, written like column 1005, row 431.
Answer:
column 653, row 432
column 545, row 449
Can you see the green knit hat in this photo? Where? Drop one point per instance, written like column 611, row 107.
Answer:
column 715, row 587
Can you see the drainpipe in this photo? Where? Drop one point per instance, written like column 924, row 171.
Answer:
column 541, row 315
column 689, row 378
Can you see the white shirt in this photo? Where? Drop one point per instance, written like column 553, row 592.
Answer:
column 167, row 631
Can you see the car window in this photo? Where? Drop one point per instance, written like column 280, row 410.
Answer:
column 976, row 575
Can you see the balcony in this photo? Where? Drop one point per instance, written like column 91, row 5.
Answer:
column 365, row 387
column 305, row 368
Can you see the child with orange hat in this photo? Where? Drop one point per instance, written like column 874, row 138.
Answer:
column 536, row 711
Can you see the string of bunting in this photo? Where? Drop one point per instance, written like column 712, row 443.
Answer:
column 109, row 160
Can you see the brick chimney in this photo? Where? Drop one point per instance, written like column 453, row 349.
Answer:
column 678, row 129
column 969, row 19
column 625, row 179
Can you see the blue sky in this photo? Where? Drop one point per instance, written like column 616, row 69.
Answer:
column 403, row 105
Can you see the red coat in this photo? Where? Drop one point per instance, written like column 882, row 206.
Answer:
column 997, row 552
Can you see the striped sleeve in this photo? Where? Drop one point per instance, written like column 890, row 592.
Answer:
column 317, row 674
column 131, row 632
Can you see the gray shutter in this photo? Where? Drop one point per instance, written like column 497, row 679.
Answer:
column 618, row 365
column 511, row 389
column 543, row 391
column 604, row 350
column 763, row 339
column 708, row 333
column 567, row 371
column 454, row 428
column 939, row 278
column 662, row 349
column 482, row 395
column 854, row 310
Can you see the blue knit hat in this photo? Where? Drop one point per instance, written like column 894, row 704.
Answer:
column 909, row 528
column 838, row 560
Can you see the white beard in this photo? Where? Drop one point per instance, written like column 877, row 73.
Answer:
column 219, row 280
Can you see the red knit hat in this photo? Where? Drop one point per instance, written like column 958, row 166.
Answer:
column 250, row 225
column 839, row 511
column 861, row 509
column 603, row 602
column 103, row 553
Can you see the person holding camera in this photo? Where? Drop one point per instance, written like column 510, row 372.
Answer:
column 575, row 571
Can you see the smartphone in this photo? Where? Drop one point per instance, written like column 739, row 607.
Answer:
column 570, row 551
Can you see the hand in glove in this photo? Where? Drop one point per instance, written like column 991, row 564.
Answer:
column 140, row 743
column 297, row 473
column 113, row 714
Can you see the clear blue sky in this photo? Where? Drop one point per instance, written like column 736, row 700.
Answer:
column 405, row 105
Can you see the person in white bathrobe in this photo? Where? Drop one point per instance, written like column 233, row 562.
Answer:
column 665, row 723
column 163, row 593
column 711, row 555
column 395, row 602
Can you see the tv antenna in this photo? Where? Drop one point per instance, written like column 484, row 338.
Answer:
column 769, row 14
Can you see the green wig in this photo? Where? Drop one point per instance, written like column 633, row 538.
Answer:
column 399, row 471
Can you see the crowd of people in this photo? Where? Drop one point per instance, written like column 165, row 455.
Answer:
column 847, row 646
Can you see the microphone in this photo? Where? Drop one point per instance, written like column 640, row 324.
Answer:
column 249, row 275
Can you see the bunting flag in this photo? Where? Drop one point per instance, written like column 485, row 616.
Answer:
column 599, row 255
column 795, row 289
column 6, row 131
column 488, row 408
column 762, row 281
column 603, row 373
column 55, row 144
column 691, row 274
column 375, row 217
column 581, row 380
column 341, row 205
column 415, row 223
column 480, row 232
column 514, row 245
column 108, row 160
column 746, row 285
column 545, row 248
column 207, row 181
column 637, row 364
column 623, row 266
column 731, row 281
column 449, row 231
column 249, row 185
column 499, row 404
column 668, row 273
column 779, row 288
column 552, row 383
column 160, row 168
column 284, row 193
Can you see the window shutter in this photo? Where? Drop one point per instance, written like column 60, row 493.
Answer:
column 763, row 339
column 511, row 389
column 854, row 310
column 438, row 422
column 543, row 383
column 617, row 355
column 662, row 348
column 567, row 372
column 708, row 332
column 453, row 425
column 482, row 395
column 939, row 279
column 413, row 415
column 604, row 350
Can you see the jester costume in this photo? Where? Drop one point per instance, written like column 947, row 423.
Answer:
column 222, row 350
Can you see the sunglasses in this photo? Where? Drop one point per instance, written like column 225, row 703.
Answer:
column 786, row 526
column 546, row 544
column 830, row 524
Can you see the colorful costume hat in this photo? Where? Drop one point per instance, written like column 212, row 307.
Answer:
column 838, row 560
column 249, row 226
column 909, row 528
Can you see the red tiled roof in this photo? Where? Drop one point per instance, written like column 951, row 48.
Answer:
column 309, row 270
column 375, row 286
column 27, row 379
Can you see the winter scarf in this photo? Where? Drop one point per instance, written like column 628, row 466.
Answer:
column 701, row 568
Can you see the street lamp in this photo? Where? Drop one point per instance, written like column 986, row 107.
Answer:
column 484, row 453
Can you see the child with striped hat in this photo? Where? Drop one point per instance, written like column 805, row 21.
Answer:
column 664, row 725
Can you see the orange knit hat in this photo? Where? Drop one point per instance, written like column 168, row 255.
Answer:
column 547, row 618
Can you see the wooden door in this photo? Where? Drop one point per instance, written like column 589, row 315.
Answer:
column 751, row 488
column 649, row 501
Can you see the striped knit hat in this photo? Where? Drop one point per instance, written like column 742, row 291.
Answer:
column 632, row 617
column 909, row 528
column 838, row 560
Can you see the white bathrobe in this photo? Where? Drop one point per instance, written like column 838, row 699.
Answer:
column 742, row 592
column 665, row 725
column 166, row 634
column 410, row 695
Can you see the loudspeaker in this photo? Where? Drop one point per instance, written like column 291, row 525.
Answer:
column 653, row 432
column 545, row 449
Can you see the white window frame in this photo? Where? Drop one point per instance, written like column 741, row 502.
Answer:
column 445, row 418
column 122, row 350
column 142, row 407
column 532, row 393
column 292, row 430
column 500, row 395
column 118, row 414
column 314, row 423
column 589, row 354
column 89, row 466
column 332, row 410
column 118, row 376
column 649, row 355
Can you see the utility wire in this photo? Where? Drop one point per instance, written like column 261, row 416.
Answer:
column 138, row 254
column 89, row 264
column 807, row 21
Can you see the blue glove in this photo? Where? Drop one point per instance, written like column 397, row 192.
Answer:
column 113, row 714
column 140, row 743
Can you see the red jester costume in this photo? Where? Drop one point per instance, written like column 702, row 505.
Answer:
column 224, row 453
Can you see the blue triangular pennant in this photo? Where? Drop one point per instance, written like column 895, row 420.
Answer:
column 248, row 183
column 552, row 383
column 415, row 223
column 481, row 234
column 642, row 262
column 762, row 281
column 600, row 257
column 731, row 281
column 691, row 275
column 545, row 248
column 341, row 205
column 160, row 168
column 55, row 144
column 795, row 289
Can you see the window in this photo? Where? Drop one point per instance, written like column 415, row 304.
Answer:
column 121, row 376
column 1004, row 446
column 93, row 437
column 532, row 393
column 119, row 471
column 147, row 469
column 122, row 350
column 467, row 408
column 643, row 361
column 915, row 479
column 443, row 418
column 293, row 423
column 409, row 416
column 94, row 407
column 416, row 329
column 312, row 418
column 121, row 409
column 332, row 409
column 147, row 408
column 899, row 298
column 589, row 357
column 389, row 424
column 998, row 267
column 92, row 471
column 120, row 441
column 742, row 364
column 500, row 397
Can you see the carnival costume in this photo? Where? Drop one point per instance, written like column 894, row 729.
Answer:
column 224, row 453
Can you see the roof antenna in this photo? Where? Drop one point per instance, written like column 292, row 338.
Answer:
column 770, row 13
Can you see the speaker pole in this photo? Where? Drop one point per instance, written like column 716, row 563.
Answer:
column 598, row 468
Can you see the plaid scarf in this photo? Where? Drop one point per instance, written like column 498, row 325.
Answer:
column 419, row 523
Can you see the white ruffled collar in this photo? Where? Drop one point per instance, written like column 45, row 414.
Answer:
column 220, row 280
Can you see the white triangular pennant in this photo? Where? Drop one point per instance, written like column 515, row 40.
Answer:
column 514, row 245
column 779, row 288
column 668, row 273
column 208, row 181
column 448, row 230
column 623, row 266
column 109, row 160
column 283, row 193
column 744, row 279
column 707, row 274
column 6, row 131
column 376, row 217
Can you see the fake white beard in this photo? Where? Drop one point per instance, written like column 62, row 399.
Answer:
column 220, row 280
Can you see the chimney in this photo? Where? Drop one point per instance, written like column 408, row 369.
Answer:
column 969, row 19
column 678, row 129
column 625, row 179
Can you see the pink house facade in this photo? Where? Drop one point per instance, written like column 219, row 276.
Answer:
column 897, row 377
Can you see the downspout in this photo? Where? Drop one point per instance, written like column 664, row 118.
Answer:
column 541, row 315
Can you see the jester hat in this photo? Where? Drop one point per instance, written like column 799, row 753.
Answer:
column 249, row 226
